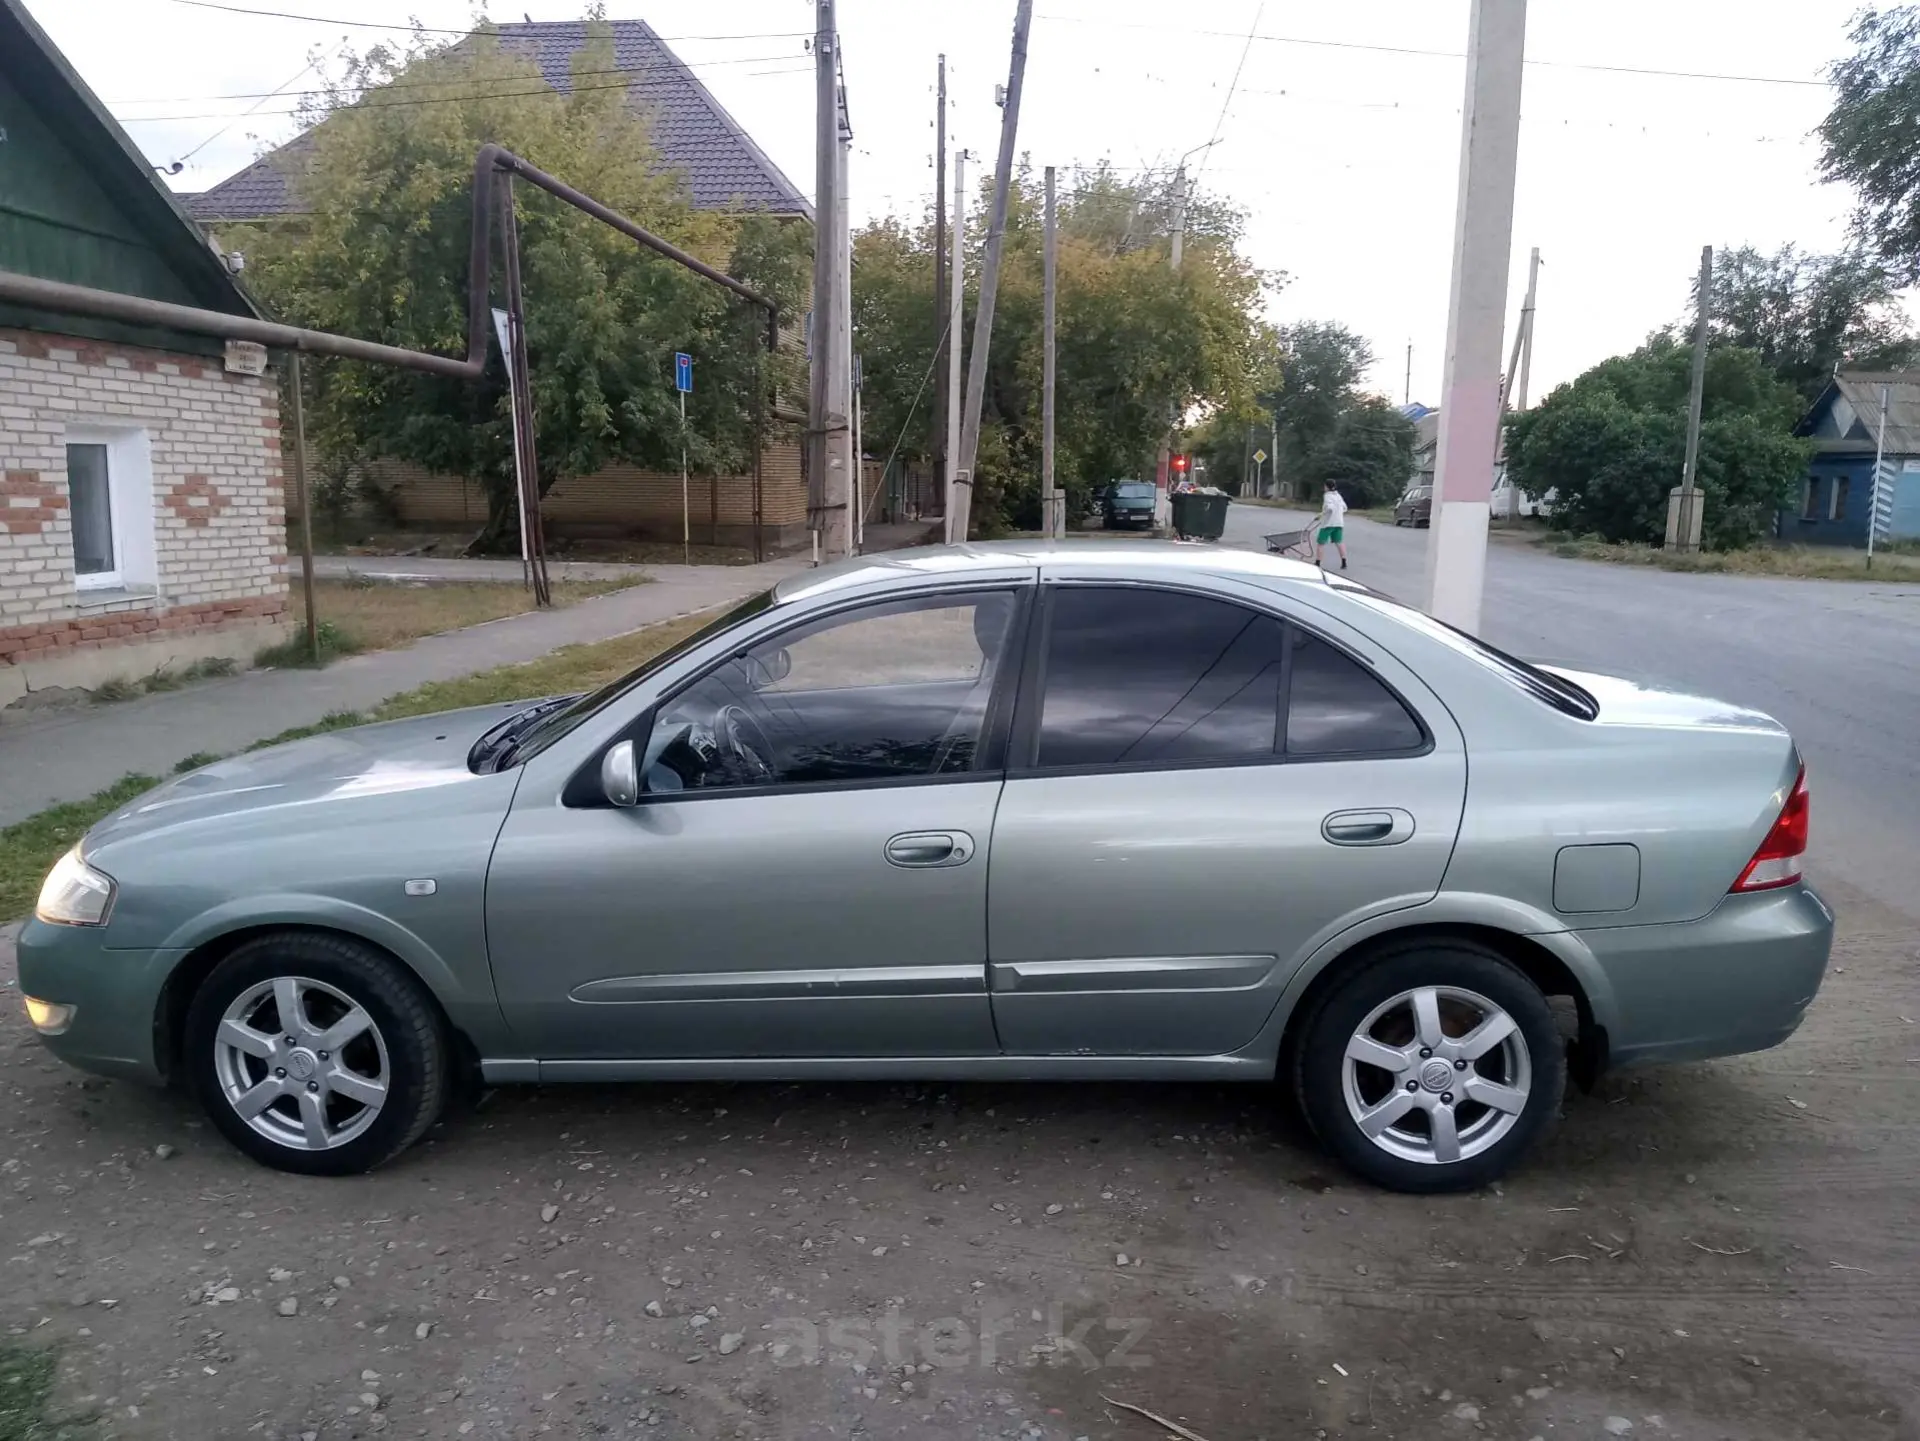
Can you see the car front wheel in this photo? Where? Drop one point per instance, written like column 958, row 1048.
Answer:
column 1434, row 1067
column 316, row 1054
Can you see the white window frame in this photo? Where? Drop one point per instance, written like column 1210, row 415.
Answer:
column 130, row 500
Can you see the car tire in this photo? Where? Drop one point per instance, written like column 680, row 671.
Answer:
column 1391, row 1126
column 357, row 1077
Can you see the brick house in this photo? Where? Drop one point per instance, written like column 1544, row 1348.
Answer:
column 723, row 169
column 141, row 508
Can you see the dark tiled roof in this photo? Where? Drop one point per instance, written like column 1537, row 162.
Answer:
column 692, row 130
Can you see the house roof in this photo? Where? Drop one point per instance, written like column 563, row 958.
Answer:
column 1853, row 397
column 693, row 131
column 159, row 244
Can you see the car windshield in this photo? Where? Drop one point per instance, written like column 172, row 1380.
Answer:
column 562, row 721
column 1133, row 490
column 1544, row 686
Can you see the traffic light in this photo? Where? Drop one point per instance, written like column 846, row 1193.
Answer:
column 1180, row 463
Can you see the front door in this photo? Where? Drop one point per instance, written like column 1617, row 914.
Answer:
column 1206, row 793
column 805, row 873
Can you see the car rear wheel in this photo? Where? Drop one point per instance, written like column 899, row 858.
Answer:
column 1434, row 1067
column 316, row 1054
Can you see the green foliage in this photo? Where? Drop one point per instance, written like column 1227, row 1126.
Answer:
column 1138, row 342
column 1803, row 314
column 1368, row 453
column 295, row 651
column 1867, row 139
column 1318, row 370
column 382, row 253
column 1612, row 443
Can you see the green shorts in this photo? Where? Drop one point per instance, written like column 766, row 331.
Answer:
column 1332, row 535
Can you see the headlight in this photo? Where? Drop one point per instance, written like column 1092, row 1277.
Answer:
column 74, row 893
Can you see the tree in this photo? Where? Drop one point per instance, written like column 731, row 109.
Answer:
column 1804, row 314
column 1137, row 342
column 381, row 252
column 1321, row 364
column 1867, row 139
column 1368, row 453
column 1612, row 443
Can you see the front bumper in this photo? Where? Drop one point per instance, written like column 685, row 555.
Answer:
column 1738, row 979
column 115, row 997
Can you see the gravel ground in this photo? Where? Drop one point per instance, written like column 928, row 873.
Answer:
column 1722, row 1250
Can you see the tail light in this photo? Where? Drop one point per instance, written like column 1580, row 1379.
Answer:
column 1777, row 862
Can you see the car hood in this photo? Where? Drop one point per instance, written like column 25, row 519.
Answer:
column 1631, row 703
column 337, row 766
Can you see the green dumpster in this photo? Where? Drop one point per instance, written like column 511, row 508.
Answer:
column 1200, row 514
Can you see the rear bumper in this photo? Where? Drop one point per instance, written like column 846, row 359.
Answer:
column 1739, row 979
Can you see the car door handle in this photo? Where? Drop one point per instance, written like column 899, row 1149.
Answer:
column 1367, row 828
column 924, row 849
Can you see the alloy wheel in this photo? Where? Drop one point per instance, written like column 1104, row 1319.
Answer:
column 302, row 1063
column 1436, row 1075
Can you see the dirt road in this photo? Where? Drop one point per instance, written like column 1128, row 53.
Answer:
column 1725, row 1250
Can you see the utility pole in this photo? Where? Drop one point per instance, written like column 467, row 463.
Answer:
column 1526, row 329
column 843, row 318
column 1273, row 489
column 1049, row 499
column 1683, row 504
column 1873, row 491
column 990, row 276
column 1476, row 313
column 1406, row 395
column 956, row 301
column 940, row 275
column 828, row 408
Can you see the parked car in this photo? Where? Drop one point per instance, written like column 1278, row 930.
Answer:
column 1509, row 503
column 1128, row 504
column 1002, row 812
column 1415, row 508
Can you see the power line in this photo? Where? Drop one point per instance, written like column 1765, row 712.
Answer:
column 1436, row 54
column 361, row 104
column 669, row 66
column 443, row 30
column 181, row 160
column 1232, row 86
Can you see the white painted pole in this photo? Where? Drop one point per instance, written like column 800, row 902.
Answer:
column 1873, row 491
column 955, row 316
column 1476, row 315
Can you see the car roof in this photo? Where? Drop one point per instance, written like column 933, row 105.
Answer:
column 1144, row 559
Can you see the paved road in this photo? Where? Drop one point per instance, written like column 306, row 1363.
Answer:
column 1838, row 661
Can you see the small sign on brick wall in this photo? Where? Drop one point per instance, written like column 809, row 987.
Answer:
column 246, row 357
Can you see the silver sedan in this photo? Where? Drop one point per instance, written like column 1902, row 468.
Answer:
column 1070, row 813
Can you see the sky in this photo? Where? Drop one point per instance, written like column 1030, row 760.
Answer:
column 1340, row 140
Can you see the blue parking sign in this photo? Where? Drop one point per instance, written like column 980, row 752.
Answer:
column 682, row 372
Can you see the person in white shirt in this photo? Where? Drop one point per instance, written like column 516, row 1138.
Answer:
column 1331, row 527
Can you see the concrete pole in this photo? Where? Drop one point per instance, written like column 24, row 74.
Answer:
column 304, row 497
column 1685, row 527
column 1163, row 463
column 956, row 299
column 1476, row 313
column 940, row 276
column 827, row 398
column 1049, row 522
column 1873, row 490
column 843, row 329
column 1526, row 330
column 990, row 276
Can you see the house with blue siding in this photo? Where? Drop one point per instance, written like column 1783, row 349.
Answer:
column 1844, row 424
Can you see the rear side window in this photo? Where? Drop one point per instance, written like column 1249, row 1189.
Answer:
column 1337, row 707
column 1137, row 677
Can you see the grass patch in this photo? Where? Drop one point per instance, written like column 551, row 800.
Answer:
column 29, row 847
column 1801, row 562
column 297, row 650
column 26, row 1393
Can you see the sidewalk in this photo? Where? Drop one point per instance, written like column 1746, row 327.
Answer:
column 66, row 755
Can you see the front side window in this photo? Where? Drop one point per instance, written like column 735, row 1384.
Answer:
column 892, row 691
column 90, row 503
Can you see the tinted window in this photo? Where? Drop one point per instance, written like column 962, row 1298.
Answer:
column 882, row 692
column 1145, row 675
column 1338, row 707
column 1134, row 490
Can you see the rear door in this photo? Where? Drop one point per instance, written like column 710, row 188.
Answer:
column 1201, row 791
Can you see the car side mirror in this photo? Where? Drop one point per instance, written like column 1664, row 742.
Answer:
column 765, row 668
column 620, row 775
